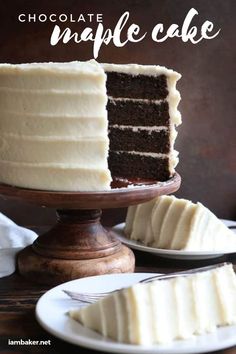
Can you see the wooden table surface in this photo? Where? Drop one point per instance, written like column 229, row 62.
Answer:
column 19, row 296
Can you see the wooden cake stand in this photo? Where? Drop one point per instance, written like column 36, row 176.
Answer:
column 78, row 246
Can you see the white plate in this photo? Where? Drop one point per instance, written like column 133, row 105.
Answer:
column 185, row 255
column 52, row 307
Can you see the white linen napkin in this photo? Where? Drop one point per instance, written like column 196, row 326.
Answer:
column 12, row 239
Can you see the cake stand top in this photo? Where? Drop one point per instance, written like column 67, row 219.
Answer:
column 113, row 198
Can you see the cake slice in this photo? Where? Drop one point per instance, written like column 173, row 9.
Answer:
column 171, row 223
column 165, row 310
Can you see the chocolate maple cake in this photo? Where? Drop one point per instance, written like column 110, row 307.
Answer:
column 76, row 126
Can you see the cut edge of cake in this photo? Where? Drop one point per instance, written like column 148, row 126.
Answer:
column 145, row 148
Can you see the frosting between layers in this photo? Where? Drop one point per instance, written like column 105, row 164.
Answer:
column 151, row 154
column 173, row 100
column 173, row 154
column 172, row 157
column 128, row 99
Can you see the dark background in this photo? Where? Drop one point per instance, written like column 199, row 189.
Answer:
column 206, row 139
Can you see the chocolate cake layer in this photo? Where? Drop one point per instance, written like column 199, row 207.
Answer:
column 137, row 86
column 145, row 167
column 139, row 140
column 146, row 113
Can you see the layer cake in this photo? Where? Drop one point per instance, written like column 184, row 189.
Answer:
column 75, row 126
column 171, row 223
column 165, row 310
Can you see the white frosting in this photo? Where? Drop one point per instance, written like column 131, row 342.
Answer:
column 53, row 101
column 72, row 150
column 54, row 177
column 53, row 131
column 173, row 154
column 52, row 125
column 180, row 225
column 165, row 310
column 130, row 218
column 86, row 68
column 136, row 100
column 173, row 161
column 137, row 69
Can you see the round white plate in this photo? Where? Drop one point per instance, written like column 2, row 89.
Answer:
column 185, row 255
column 52, row 307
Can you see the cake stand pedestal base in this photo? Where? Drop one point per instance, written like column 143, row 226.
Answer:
column 77, row 246
column 45, row 270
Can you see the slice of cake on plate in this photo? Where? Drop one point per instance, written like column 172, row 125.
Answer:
column 165, row 310
column 55, row 117
column 171, row 223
